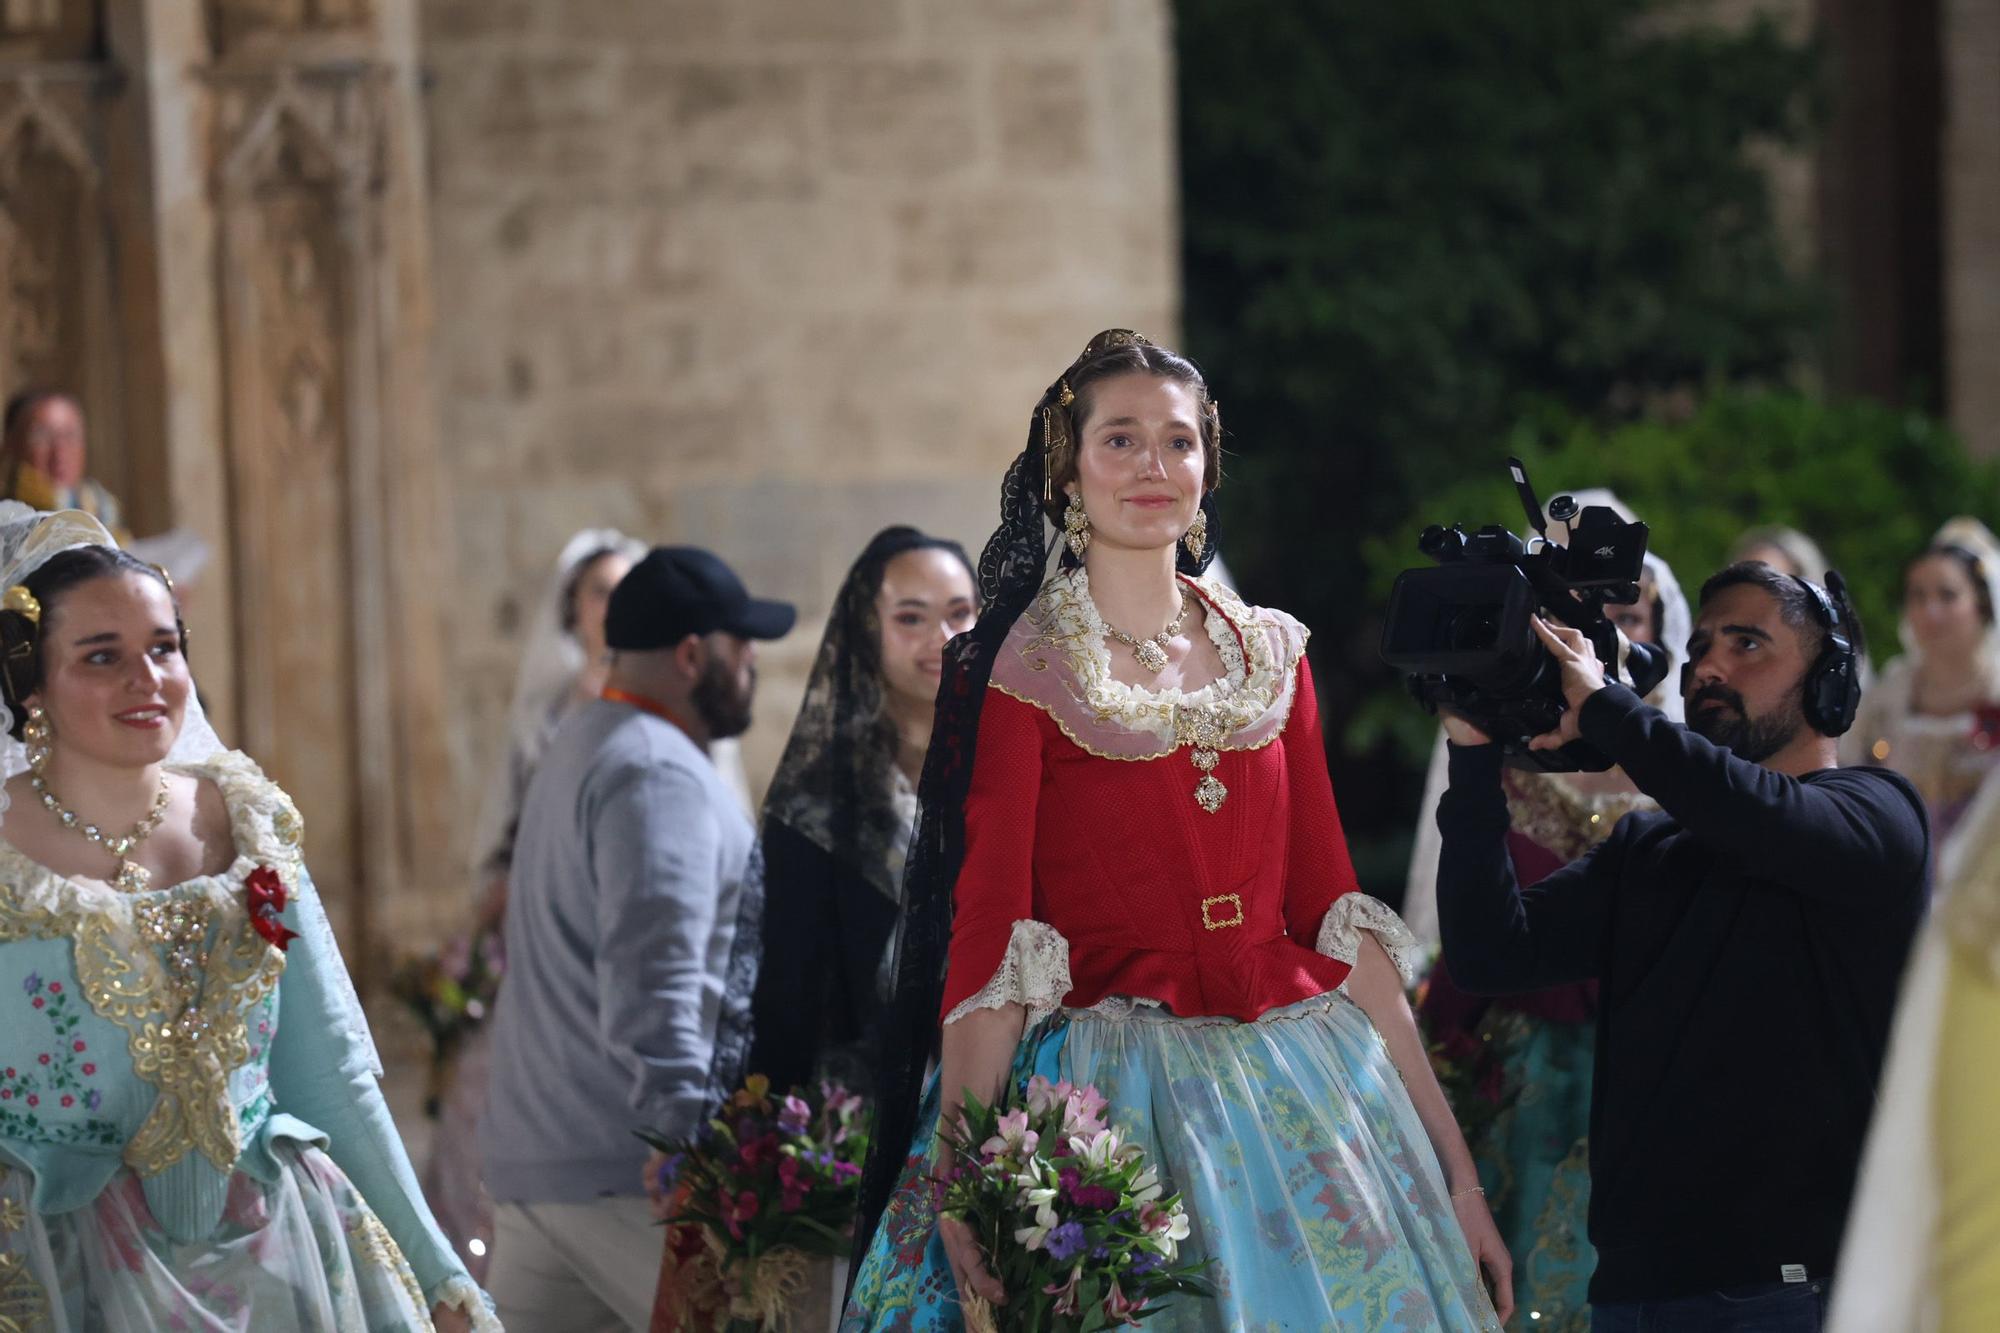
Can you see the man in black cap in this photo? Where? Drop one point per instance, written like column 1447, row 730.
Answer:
column 632, row 927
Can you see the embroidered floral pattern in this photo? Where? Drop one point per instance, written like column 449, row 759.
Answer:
column 34, row 1098
column 373, row 1244
column 1552, row 814
column 177, row 969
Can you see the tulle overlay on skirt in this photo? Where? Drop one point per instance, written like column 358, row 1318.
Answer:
column 1307, row 1176
column 301, row 1255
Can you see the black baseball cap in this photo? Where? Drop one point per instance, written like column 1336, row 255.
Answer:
column 676, row 591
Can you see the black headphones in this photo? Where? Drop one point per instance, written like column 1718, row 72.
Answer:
column 1833, row 682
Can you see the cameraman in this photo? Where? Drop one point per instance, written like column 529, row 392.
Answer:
column 1748, row 938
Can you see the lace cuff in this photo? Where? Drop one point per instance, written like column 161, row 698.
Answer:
column 1352, row 913
column 459, row 1292
column 1033, row 972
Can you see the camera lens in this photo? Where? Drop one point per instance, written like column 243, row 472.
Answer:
column 1475, row 629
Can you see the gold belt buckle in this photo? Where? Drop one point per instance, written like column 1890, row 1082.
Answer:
column 1210, row 922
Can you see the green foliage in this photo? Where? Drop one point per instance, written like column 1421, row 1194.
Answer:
column 1870, row 483
column 1406, row 224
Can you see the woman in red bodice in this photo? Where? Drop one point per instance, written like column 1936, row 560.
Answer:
column 1130, row 838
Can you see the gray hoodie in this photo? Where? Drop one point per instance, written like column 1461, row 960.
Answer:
column 632, row 924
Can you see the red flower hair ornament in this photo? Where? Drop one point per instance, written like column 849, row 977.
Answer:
column 264, row 894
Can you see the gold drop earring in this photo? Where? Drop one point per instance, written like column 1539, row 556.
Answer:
column 1076, row 526
column 1196, row 536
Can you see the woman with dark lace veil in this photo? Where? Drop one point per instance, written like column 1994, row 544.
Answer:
column 843, row 804
column 1129, row 872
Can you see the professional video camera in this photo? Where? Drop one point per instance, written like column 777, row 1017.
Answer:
column 1460, row 631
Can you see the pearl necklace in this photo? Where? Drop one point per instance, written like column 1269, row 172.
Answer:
column 130, row 877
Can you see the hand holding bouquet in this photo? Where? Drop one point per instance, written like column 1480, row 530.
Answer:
column 1069, row 1214
column 771, row 1184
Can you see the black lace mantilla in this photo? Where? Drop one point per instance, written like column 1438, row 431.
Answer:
column 1011, row 570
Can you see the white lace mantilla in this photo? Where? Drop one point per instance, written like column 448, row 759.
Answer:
column 1033, row 973
column 1352, row 913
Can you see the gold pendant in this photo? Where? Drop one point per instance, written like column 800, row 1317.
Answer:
column 1151, row 656
column 1209, row 793
column 131, row 878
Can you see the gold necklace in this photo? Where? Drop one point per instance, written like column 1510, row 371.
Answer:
column 130, row 877
column 1152, row 652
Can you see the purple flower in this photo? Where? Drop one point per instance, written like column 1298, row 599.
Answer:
column 1094, row 1196
column 91, row 1099
column 33, row 983
column 1065, row 1242
column 1145, row 1263
column 793, row 1116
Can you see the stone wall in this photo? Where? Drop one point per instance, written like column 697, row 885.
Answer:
column 766, row 275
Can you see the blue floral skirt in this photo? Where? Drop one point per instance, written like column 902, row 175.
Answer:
column 1308, row 1178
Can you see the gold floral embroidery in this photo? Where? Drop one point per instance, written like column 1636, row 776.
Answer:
column 373, row 1244
column 1551, row 814
column 147, row 964
column 23, row 1303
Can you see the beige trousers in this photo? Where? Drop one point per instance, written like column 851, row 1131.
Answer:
column 575, row 1267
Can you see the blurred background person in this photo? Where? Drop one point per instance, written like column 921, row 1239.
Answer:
column 842, row 807
column 1518, row 1067
column 562, row 667
column 1934, row 713
column 1784, row 549
column 46, row 457
column 1922, row 1250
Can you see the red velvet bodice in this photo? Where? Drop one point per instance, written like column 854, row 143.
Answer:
column 1208, row 913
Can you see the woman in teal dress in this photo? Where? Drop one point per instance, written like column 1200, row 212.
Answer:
column 191, row 1135
column 1129, row 872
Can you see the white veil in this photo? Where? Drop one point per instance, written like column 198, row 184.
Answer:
column 29, row 539
column 1676, row 625
column 550, row 663
column 1970, row 535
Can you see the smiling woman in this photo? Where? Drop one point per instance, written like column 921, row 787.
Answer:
column 1129, row 873
column 157, row 916
column 842, row 804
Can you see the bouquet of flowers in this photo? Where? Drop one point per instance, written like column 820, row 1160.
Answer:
column 769, row 1186
column 451, row 991
column 1070, row 1216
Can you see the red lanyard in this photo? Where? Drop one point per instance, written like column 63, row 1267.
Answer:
column 612, row 694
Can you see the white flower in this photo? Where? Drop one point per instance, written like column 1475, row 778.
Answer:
column 1146, row 1185
column 1099, row 1150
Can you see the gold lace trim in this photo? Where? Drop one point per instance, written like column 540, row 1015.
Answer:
column 1062, row 617
column 374, row 1245
column 184, row 1040
column 24, row 1304
column 1552, row 814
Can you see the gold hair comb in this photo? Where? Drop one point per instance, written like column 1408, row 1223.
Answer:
column 22, row 602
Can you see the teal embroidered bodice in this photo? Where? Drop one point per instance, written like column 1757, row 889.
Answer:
column 142, row 1031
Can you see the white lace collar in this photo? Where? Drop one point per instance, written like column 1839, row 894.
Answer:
column 1122, row 697
column 1056, row 658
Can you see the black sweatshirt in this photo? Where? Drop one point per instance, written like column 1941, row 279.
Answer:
column 1748, row 938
